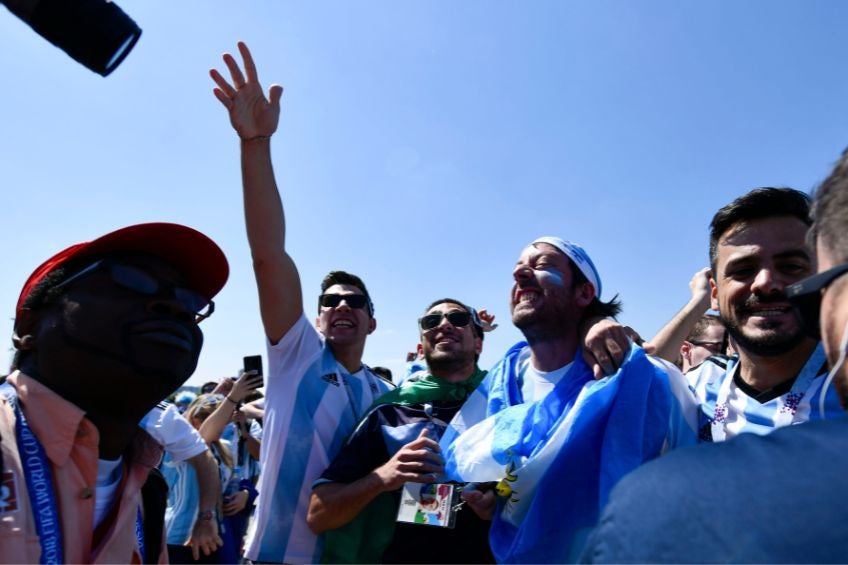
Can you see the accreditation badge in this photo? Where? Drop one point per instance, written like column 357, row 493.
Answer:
column 430, row 504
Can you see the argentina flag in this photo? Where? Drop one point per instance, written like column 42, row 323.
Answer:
column 557, row 459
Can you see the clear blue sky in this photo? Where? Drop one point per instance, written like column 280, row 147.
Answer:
column 423, row 144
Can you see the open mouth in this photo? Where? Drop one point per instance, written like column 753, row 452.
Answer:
column 767, row 311
column 527, row 295
column 343, row 324
column 445, row 340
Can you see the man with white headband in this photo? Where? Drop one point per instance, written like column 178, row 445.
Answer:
column 774, row 499
column 556, row 438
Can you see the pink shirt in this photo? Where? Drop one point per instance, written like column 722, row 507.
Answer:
column 70, row 441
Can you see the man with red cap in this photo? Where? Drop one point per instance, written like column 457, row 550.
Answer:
column 103, row 331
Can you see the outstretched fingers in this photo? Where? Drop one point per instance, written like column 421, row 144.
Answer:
column 235, row 71
column 249, row 65
column 223, row 86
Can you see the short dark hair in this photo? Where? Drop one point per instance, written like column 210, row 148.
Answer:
column 597, row 308
column 830, row 211
column 342, row 277
column 383, row 372
column 701, row 326
column 46, row 292
column 478, row 330
column 764, row 202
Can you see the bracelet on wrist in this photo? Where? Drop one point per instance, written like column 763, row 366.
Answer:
column 255, row 138
column 206, row 515
column 231, row 400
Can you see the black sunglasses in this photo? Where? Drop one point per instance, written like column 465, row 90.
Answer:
column 711, row 345
column 352, row 300
column 457, row 319
column 136, row 279
column 806, row 296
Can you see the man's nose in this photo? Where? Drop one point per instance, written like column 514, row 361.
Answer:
column 444, row 324
column 343, row 305
column 766, row 282
column 522, row 273
column 167, row 303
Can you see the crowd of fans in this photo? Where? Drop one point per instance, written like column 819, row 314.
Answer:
column 583, row 443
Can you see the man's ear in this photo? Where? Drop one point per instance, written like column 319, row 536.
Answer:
column 23, row 343
column 372, row 325
column 713, row 294
column 585, row 294
column 685, row 349
column 23, row 336
column 478, row 345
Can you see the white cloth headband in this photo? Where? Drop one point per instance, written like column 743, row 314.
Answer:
column 578, row 256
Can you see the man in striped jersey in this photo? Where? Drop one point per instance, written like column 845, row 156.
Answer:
column 774, row 499
column 317, row 387
column 757, row 248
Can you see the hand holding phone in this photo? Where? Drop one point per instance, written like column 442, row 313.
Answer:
column 250, row 379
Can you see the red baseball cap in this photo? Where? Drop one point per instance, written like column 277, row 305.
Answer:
column 197, row 257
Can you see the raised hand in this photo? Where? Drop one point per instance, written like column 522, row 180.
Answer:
column 252, row 115
column 699, row 287
column 246, row 383
column 487, row 319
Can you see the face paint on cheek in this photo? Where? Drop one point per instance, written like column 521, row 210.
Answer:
column 551, row 276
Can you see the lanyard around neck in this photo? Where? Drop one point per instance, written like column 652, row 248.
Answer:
column 42, row 495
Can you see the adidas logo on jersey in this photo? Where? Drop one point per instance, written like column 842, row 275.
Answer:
column 331, row 378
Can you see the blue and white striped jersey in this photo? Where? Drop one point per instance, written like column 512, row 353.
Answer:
column 727, row 410
column 312, row 403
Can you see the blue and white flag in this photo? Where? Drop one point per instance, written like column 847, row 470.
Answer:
column 500, row 389
column 559, row 457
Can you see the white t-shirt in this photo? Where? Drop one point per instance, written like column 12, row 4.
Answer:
column 536, row 384
column 109, row 474
column 173, row 432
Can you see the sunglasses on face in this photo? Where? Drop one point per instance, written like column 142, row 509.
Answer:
column 142, row 282
column 806, row 296
column 457, row 319
column 212, row 400
column 714, row 346
column 357, row 301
